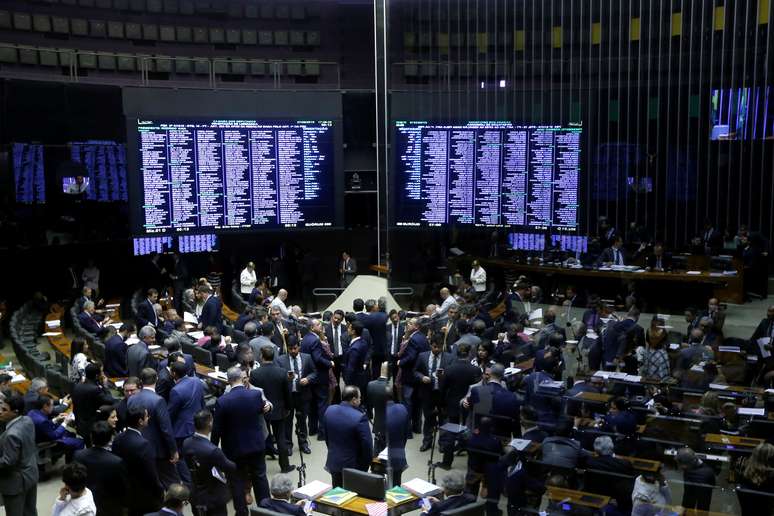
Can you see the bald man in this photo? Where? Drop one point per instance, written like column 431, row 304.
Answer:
column 279, row 302
column 447, row 300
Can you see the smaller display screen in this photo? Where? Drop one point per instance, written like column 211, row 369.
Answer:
column 148, row 245
column 197, row 243
column 75, row 185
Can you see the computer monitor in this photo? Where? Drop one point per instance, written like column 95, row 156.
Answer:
column 472, row 509
column 367, row 485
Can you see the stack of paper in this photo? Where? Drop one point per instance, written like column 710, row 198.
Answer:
column 190, row 318
column 536, row 314
column 18, row 378
column 113, row 305
column 312, row 490
column 52, row 334
column 743, row 411
column 377, row 509
column 520, row 444
column 729, row 349
column 421, row 488
column 632, row 378
column 196, row 334
column 693, row 273
column 116, row 325
column 718, row 387
column 383, row 455
column 218, row 375
column 338, row 496
column 132, row 340
column 530, row 331
column 54, row 324
column 397, row 495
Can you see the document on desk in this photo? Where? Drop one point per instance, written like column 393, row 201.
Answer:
column 421, row 488
column 190, row 318
column 54, row 324
column 530, row 331
column 762, row 346
column 536, row 314
column 52, row 334
column 377, row 509
column 383, row 455
column 744, row 411
column 718, row 386
column 312, row 490
column 520, row 444
column 729, row 349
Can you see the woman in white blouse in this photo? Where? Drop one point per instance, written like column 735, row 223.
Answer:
column 75, row 499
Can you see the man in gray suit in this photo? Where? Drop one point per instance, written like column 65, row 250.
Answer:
column 464, row 329
column 18, row 459
column 138, row 356
column 265, row 330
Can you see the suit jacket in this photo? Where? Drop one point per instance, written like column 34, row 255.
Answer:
column 451, row 502
column 90, row 324
column 185, row 400
column 354, row 372
column 307, row 371
column 212, row 314
column 146, row 314
column 237, row 422
column 398, row 337
column 107, row 478
column 375, row 323
column 505, row 408
column 115, row 357
column 282, row 507
column 343, row 337
column 138, row 357
column 144, row 487
column 201, row 456
column 398, row 432
column 377, row 400
column 88, row 397
column 30, row 398
column 765, row 328
column 165, row 382
column 608, row 256
column 159, row 431
column 562, row 452
column 349, row 440
column 312, row 346
column 469, row 339
column 45, row 429
column 422, row 368
column 277, row 337
column 614, row 341
column 18, row 457
column 666, row 261
column 457, row 378
column 273, row 379
column 417, row 344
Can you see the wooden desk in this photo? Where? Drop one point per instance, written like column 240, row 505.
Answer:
column 733, row 440
column 642, row 464
column 598, row 397
column 739, row 389
column 526, row 366
column 203, row 372
column 380, row 269
column 582, row 498
column 725, row 288
column 358, row 503
column 229, row 314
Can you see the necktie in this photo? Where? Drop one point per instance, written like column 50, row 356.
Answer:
column 433, row 367
column 295, row 372
column 658, row 263
column 336, row 340
column 394, row 339
column 617, row 258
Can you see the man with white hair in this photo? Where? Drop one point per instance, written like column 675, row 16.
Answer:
column 279, row 302
column 453, row 484
column 280, row 489
column 89, row 322
column 447, row 301
column 138, row 356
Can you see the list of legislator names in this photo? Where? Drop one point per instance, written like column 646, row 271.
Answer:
column 235, row 174
column 487, row 174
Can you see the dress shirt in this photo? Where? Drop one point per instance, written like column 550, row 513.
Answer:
column 441, row 310
column 618, row 257
column 433, row 364
column 394, row 342
column 336, row 344
column 295, row 364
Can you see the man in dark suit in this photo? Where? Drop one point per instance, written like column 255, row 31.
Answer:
column 202, row 457
column 429, row 370
column 212, row 309
column 39, row 387
column 18, row 459
column 107, row 475
column 116, row 352
column 453, row 484
column 617, row 336
column 765, row 328
column 275, row 383
column 398, row 432
column 146, row 310
column 138, row 357
column 466, row 336
column 175, row 500
column 414, row 344
column 88, row 397
column 165, row 381
column 514, row 303
column 311, row 345
column 455, row 382
column 173, row 346
column 130, row 387
column 395, row 330
column 349, row 440
column 698, row 478
column 659, row 260
column 281, row 489
column 375, row 322
column 186, row 399
column 347, row 269
column 304, row 376
column 282, row 328
column 238, row 425
column 144, row 487
column 613, row 255
column 89, row 323
column 159, row 431
column 354, row 371
column 618, row 487
column 377, row 400
column 338, row 340
column 501, row 404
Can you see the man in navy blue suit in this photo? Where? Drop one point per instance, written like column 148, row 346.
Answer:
column 145, row 489
column 185, row 400
column 238, row 428
column 159, row 431
column 209, row 493
column 116, row 351
column 211, row 310
column 107, row 476
column 89, row 323
column 281, row 488
column 349, row 440
column 311, row 345
column 304, row 376
column 375, row 321
column 615, row 340
column 412, row 346
column 354, row 371
column 453, row 484
column 146, row 310
column 503, row 405
column 398, row 432
column 428, row 374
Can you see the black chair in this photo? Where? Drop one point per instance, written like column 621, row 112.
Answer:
column 755, row 503
column 260, row 511
column 202, row 356
column 222, row 361
column 472, row 509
